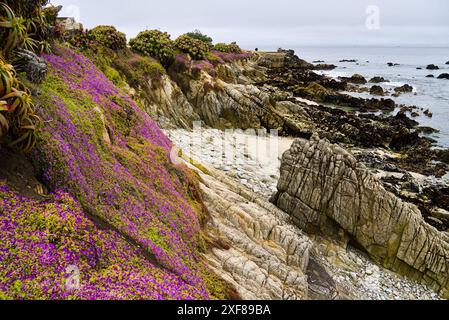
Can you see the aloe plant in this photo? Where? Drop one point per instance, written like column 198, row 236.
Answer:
column 18, row 119
column 15, row 32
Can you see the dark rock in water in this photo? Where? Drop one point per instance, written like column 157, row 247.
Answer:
column 444, row 76
column 414, row 114
column 356, row 78
column 348, row 60
column 377, row 90
column 404, row 89
column 324, row 67
column 318, row 61
column 430, row 76
column 35, row 67
column 428, row 113
column 432, row 67
column 419, row 68
column 447, row 62
column 378, row 80
column 391, row 64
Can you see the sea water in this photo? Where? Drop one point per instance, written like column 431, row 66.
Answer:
column 429, row 93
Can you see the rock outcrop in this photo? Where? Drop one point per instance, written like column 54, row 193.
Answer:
column 432, row 67
column 267, row 257
column 326, row 190
column 377, row 90
column 35, row 67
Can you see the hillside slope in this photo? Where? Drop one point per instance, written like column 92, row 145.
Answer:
column 103, row 160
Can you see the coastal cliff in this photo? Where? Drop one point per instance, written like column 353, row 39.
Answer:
column 104, row 194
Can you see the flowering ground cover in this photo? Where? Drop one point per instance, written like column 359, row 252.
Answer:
column 104, row 160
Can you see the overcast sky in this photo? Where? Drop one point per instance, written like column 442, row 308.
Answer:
column 271, row 24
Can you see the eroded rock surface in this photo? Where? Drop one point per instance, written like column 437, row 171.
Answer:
column 268, row 257
column 325, row 189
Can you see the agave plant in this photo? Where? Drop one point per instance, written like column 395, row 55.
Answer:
column 18, row 120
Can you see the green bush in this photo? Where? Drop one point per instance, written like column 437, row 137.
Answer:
column 18, row 119
column 108, row 36
column 222, row 47
column 155, row 70
column 197, row 49
column 154, row 43
column 228, row 48
column 197, row 34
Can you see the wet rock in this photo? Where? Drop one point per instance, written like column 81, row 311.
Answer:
column 356, row 78
column 391, row 64
column 377, row 90
column 432, row 67
column 406, row 88
column 428, row 113
column 322, row 66
column 348, row 60
column 444, row 76
column 430, row 76
column 427, row 130
column 378, row 80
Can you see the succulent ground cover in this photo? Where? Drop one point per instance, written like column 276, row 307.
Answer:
column 102, row 157
column 43, row 243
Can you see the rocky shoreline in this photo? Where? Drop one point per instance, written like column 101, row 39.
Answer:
column 354, row 273
column 290, row 97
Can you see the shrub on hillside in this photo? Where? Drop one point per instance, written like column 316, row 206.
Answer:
column 228, row 48
column 197, row 34
column 26, row 8
column 147, row 67
column 108, row 36
column 154, row 43
column 197, row 49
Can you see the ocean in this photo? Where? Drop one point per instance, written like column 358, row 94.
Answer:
column 429, row 93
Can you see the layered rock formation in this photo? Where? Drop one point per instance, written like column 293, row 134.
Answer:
column 265, row 256
column 326, row 190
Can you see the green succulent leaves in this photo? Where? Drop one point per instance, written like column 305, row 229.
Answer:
column 17, row 115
